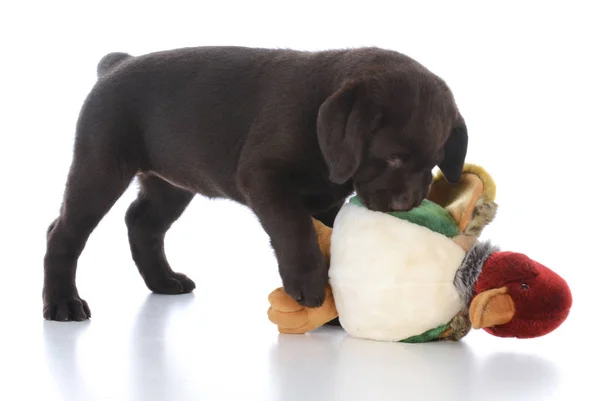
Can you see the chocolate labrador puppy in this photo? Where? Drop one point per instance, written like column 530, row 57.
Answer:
column 289, row 134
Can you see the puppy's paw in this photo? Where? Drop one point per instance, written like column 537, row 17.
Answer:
column 307, row 287
column 173, row 283
column 293, row 318
column 66, row 308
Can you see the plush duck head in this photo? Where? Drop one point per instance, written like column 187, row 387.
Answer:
column 515, row 296
column 423, row 275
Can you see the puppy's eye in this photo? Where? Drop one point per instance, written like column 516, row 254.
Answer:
column 394, row 162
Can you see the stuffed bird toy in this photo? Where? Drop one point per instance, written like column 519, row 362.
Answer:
column 424, row 275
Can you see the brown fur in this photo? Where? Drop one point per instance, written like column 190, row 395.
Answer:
column 288, row 134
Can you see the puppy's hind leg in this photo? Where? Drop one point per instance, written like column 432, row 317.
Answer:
column 97, row 178
column 148, row 219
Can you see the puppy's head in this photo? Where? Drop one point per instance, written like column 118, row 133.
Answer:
column 387, row 133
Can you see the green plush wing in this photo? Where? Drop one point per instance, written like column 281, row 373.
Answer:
column 428, row 336
column 428, row 214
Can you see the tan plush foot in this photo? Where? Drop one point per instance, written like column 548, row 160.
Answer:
column 292, row 318
column 283, row 302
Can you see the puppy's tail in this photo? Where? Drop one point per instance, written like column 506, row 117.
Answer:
column 111, row 61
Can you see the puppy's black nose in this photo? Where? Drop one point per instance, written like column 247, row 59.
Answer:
column 402, row 203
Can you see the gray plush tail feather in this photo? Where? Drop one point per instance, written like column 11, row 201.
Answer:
column 470, row 269
column 110, row 61
column 483, row 214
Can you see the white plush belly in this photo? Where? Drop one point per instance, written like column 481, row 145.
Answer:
column 391, row 279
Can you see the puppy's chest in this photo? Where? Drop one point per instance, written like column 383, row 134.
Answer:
column 322, row 196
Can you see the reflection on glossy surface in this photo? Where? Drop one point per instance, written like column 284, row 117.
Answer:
column 60, row 344
column 152, row 364
column 343, row 368
column 510, row 376
column 155, row 377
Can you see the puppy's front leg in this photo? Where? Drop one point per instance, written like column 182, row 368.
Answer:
column 289, row 225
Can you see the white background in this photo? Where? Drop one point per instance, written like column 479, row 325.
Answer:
column 525, row 75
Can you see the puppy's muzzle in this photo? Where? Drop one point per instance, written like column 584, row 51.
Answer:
column 407, row 201
column 402, row 203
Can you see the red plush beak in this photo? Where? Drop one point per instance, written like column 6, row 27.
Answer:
column 519, row 297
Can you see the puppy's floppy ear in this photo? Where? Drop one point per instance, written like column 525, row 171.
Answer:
column 455, row 151
column 343, row 123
